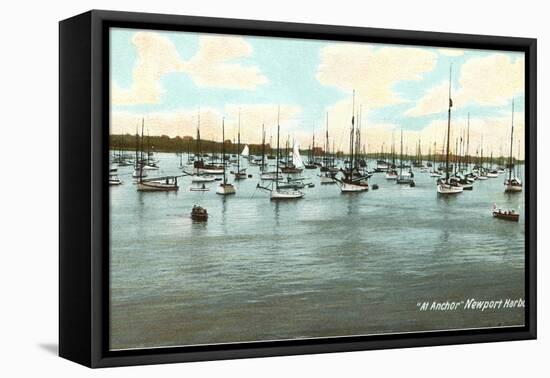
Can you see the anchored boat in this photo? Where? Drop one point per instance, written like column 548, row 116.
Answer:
column 276, row 192
column 512, row 183
column 448, row 186
column 224, row 188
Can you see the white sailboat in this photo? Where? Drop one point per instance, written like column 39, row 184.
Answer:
column 512, row 183
column 276, row 193
column 296, row 157
column 447, row 186
column 224, row 188
column 246, row 151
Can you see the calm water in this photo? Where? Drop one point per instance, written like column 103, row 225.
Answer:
column 329, row 264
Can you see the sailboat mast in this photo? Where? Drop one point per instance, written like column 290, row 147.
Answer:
column 351, row 139
column 401, row 155
column 223, row 150
column 263, row 147
column 141, row 152
column 148, row 146
column 468, row 145
column 278, row 132
column 239, row 145
column 327, row 146
column 511, row 145
column 137, row 148
column 448, row 127
column 199, row 135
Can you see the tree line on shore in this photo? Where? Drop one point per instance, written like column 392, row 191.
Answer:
column 164, row 143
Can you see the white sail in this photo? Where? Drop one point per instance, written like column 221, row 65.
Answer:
column 296, row 158
column 245, row 151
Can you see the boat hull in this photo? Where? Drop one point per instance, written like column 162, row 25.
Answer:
column 509, row 217
column 153, row 186
column 512, row 188
column 225, row 189
column 286, row 194
column 350, row 188
column 449, row 189
column 203, row 178
column 212, row 171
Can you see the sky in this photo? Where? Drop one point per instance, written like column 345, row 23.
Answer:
column 171, row 78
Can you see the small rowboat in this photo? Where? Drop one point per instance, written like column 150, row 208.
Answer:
column 199, row 213
column 202, row 188
column 509, row 215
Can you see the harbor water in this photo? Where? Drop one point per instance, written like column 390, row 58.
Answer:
column 329, row 264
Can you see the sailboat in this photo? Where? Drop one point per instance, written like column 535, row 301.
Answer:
column 277, row 193
column 246, row 152
column 113, row 177
column 150, row 164
column 434, row 172
column 326, row 176
column 293, row 162
column 311, row 161
column 240, row 174
column 448, row 186
column 391, row 172
column 407, row 177
column 512, row 183
column 157, row 184
column 199, row 175
column 138, row 163
column 352, row 182
column 224, row 187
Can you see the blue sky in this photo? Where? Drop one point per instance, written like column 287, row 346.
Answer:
column 308, row 78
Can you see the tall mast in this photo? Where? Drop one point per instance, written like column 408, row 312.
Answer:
column 148, row 146
column 223, row 150
column 511, row 145
column 401, row 156
column 199, row 135
column 263, row 147
column 468, row 144
column 456, row 155
column 313, row 148
column 141, row 152
column 327, row 147
column 448, row 127
column 351, row 139
column 137, row 148
column 239, row 145
column 278, row 132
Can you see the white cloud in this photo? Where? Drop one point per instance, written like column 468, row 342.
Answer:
column 488, row 81
column 157, row 56
column 450, row 51
column 211, row 66
column 373, row 71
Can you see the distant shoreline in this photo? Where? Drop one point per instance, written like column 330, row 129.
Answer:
column 164, row 143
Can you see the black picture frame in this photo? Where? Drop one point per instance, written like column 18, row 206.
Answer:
column 83, row 193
